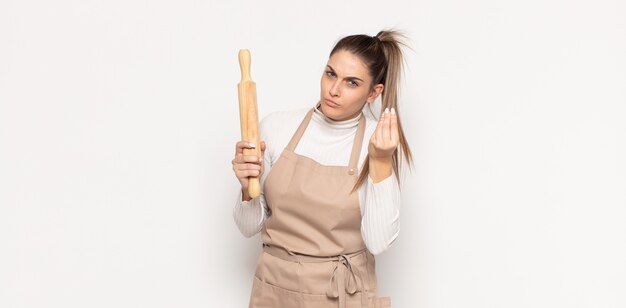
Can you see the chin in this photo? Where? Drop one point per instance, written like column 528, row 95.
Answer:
column 327, row 111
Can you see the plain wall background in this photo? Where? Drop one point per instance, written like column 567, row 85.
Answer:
column 118, row 121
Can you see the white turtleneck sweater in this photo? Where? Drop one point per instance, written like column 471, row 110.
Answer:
column 328, row 142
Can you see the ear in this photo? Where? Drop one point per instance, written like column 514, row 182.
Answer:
column 376, row 90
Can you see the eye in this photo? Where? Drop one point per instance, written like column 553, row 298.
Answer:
column 330, row 73
column 353, row 84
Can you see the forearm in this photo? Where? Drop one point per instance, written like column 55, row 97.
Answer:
column 380, row 224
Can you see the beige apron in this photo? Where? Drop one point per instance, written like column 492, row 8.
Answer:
column 313, row 252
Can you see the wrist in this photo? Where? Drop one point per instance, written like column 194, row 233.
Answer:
column 244, row 194
column 381, row 160
column 379, row 168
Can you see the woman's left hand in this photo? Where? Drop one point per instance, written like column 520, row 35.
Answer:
column 386, row 137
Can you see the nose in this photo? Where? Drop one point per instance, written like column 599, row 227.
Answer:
column 334, row 89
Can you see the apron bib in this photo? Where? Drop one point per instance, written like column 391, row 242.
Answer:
column 313, row 251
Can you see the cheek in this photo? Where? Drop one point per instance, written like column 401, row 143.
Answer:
column 358, row 96
column 323, row 84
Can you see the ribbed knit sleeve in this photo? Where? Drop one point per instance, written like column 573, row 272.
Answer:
column 249, row 215
column 380, row 223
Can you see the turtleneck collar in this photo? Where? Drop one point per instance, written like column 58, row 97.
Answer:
column 319, row 116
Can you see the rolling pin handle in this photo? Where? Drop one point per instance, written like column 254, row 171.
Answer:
column 244, row 63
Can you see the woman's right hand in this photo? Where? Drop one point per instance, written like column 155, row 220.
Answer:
column 246, row 166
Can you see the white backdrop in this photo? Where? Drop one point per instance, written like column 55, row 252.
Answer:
column 118, row 121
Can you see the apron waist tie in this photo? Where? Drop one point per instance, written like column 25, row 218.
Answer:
column 345, row 279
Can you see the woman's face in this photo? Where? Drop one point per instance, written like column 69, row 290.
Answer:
column 346, row 86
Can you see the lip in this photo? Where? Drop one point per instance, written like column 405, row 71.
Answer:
column 331, row 103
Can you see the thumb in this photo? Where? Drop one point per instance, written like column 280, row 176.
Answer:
column 263, row 146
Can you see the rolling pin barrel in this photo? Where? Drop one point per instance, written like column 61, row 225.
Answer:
column 249, row 117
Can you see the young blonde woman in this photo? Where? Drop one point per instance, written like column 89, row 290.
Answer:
column 330, row 195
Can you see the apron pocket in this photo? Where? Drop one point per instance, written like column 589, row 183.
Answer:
column 267, row 295
column 280, row 291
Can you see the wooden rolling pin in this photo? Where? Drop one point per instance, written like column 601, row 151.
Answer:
column 249, row 117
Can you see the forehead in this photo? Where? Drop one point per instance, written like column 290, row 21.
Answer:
column 348, row 64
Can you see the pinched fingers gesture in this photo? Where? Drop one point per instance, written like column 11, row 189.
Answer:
column 386, row 137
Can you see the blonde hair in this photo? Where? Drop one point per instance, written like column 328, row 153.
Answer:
column 382, row 54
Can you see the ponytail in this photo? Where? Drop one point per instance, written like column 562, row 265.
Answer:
column 382, row 54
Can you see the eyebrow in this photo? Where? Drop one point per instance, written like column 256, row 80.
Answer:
column 349, row 77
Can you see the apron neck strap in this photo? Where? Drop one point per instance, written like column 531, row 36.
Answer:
column 300, row 131
column 356, row 145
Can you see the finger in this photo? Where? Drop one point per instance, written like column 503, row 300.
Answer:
column 243, row 174
column 395, row 135
column 249, row 159
column 243, row 145
column 379, row 127
column 248, row 173
column 240, row 159
column 386, row 126
column 244, row 167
